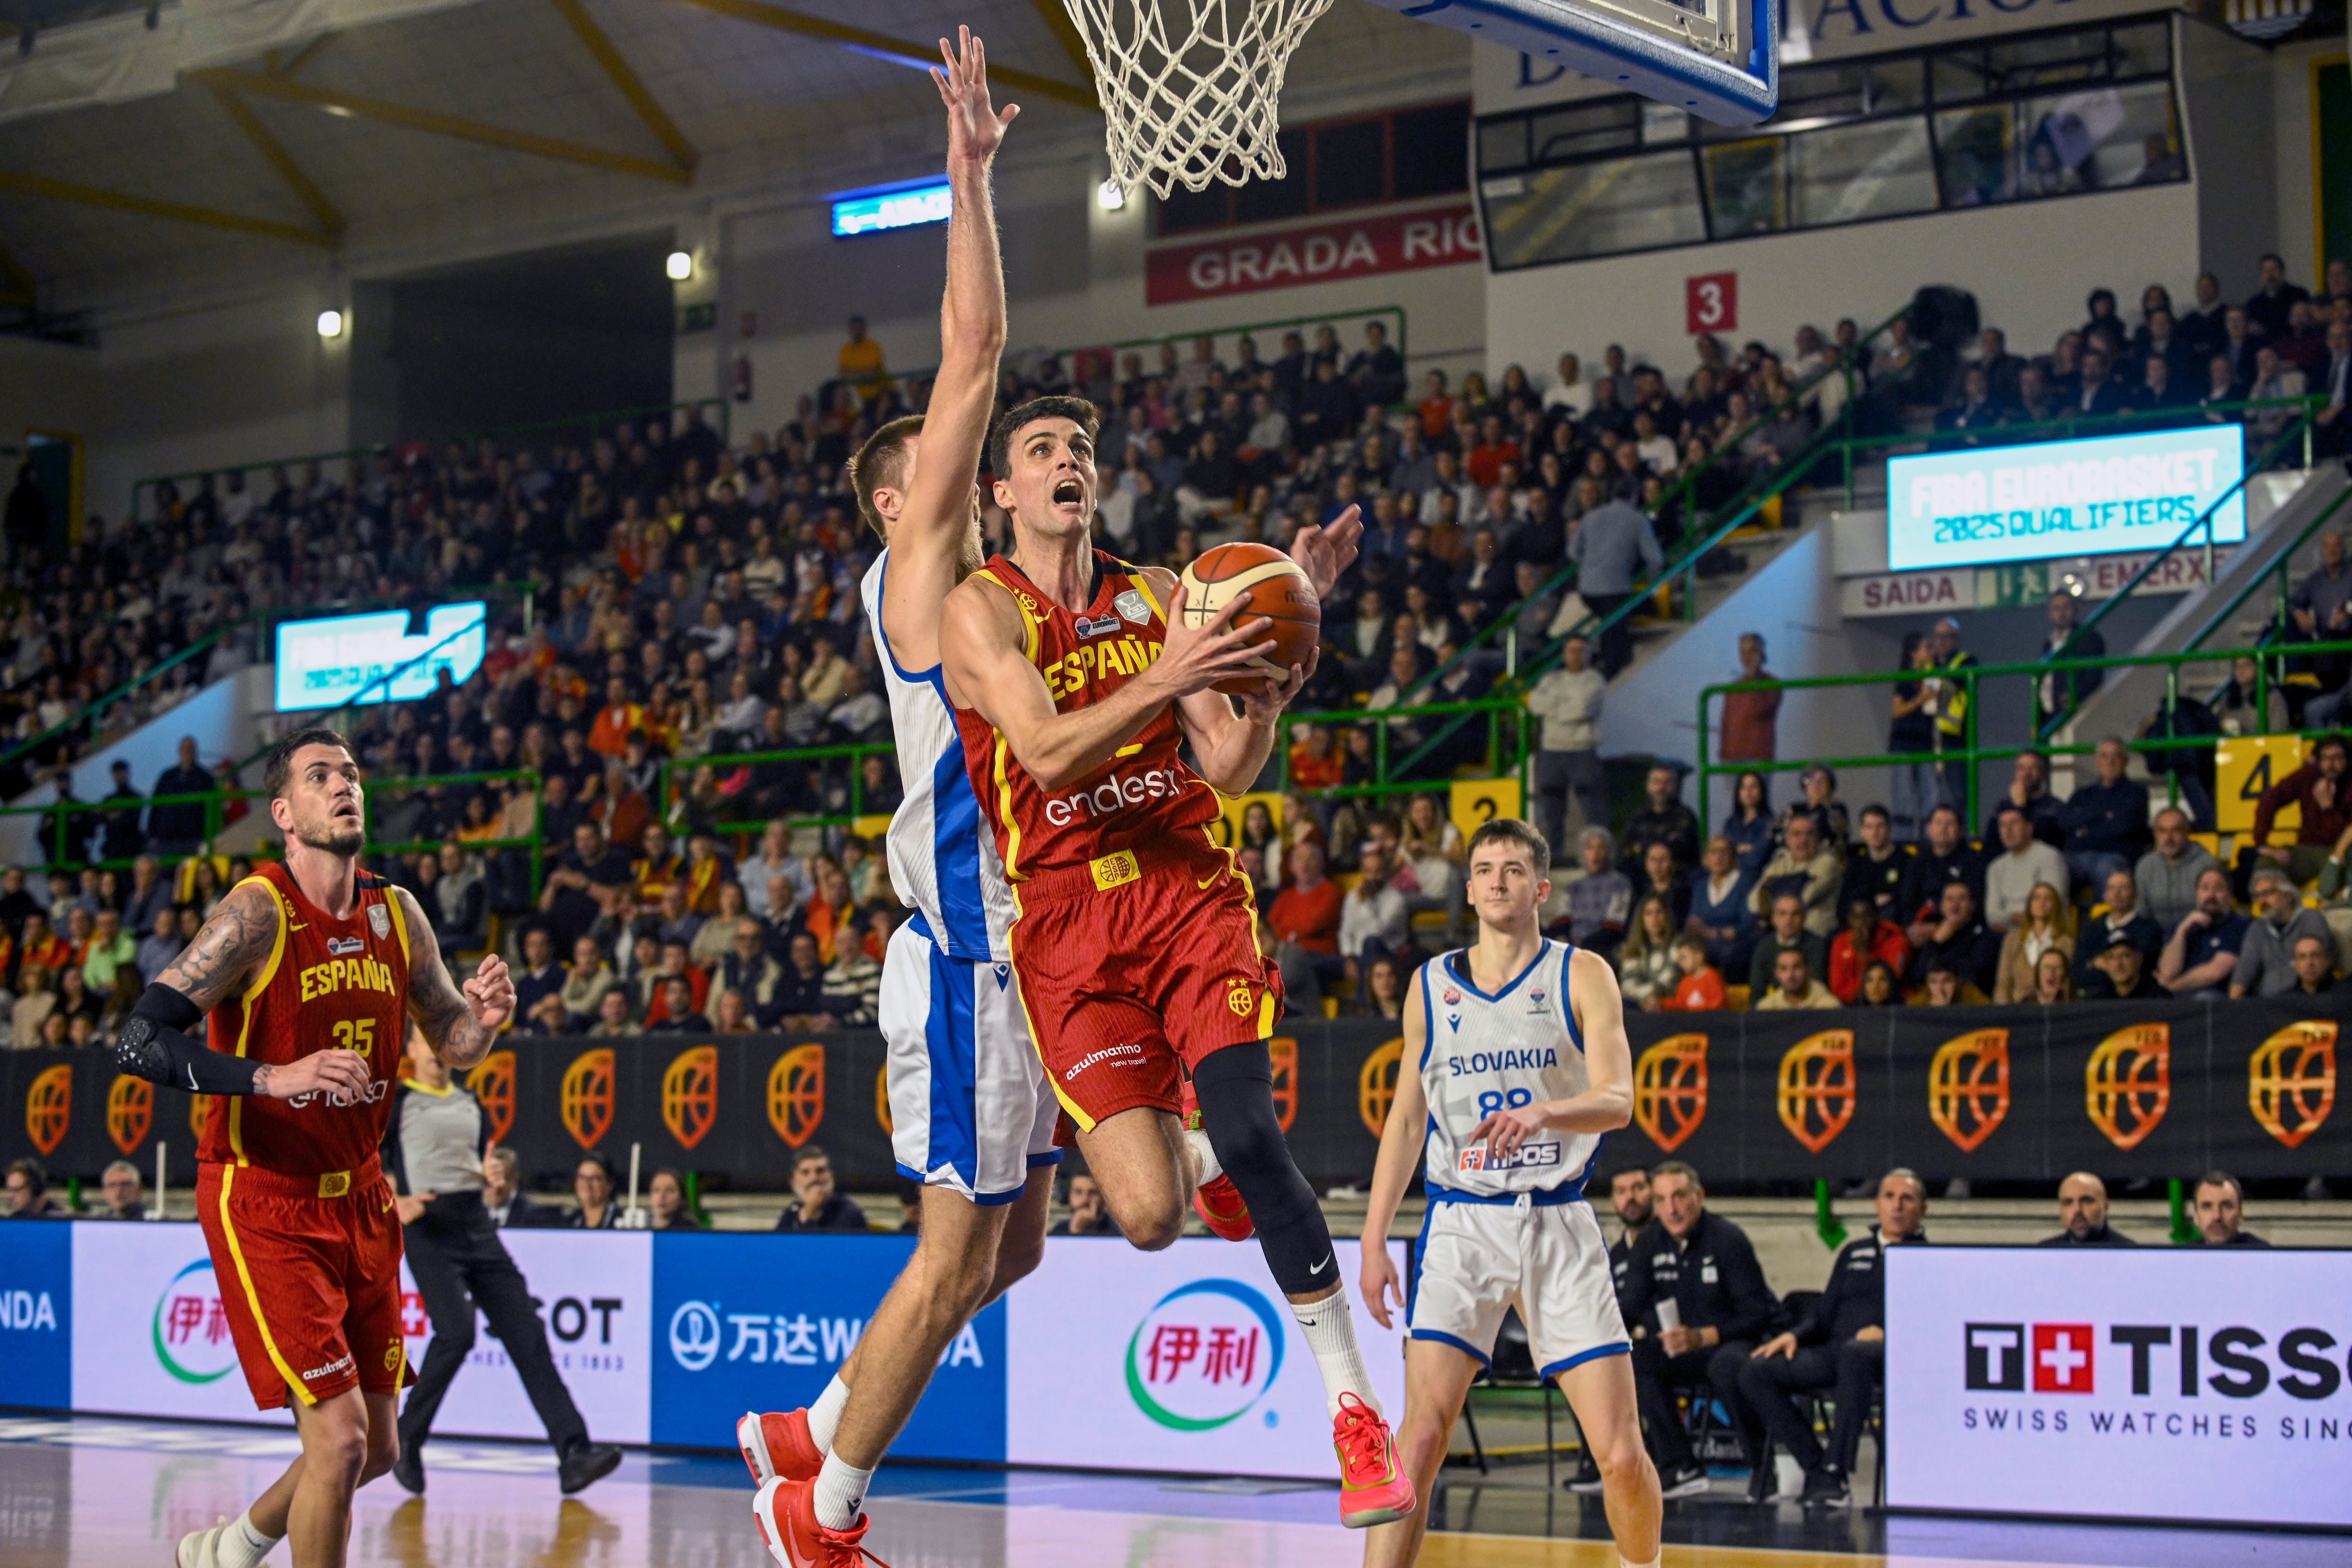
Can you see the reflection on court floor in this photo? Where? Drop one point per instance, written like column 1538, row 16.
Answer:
column 97, row 1493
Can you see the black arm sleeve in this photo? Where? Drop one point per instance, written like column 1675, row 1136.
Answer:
column 153, row 1045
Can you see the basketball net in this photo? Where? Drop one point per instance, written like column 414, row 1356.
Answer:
column 1191, row 88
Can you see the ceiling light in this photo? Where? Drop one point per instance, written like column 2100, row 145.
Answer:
column 1109, row 198
column 330, row 324
column 680, row 266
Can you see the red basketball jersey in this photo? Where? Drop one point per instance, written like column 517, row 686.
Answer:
column 1145, row 792
column 326, row 983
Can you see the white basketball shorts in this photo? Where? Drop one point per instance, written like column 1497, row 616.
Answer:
column 970, row 1108
column 1474, row 1259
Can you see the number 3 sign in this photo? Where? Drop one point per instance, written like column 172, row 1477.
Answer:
column 1711, row 303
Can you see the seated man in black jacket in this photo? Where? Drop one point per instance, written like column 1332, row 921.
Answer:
column 1944, row 859
column 2082, row 1210
column 1838, row 1342
column 1699, row 1274
column 1955, row 934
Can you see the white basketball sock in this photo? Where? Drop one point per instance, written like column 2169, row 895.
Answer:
column 824, row 1416
column 241, row 1545
column 1330, row 1333
column 1628, row 1562
column 1198, row 1141
column 840, row 1492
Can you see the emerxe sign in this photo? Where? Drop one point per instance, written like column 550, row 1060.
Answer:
column 2161, row 1383
column 2050, row 499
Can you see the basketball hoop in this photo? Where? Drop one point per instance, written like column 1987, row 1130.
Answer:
column 1191, row 88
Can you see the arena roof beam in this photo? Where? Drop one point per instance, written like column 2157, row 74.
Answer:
column 633, row 87
column 147, row 206
column 240, row 113
column 279, row 63
column 335, row 101
column 17, row 285
column 765, row 15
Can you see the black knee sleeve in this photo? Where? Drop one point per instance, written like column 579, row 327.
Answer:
column 1236, row 1086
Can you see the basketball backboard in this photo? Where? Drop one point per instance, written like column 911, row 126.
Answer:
column 1720, row 60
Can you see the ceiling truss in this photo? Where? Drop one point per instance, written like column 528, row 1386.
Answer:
column 277, row 81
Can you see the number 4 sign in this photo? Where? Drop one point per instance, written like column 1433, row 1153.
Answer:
column 1711, row 303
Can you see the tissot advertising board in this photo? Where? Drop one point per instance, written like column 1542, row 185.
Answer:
column 2174, row 1384
column 595, row 1291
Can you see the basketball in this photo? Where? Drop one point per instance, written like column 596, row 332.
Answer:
column 1274, row 592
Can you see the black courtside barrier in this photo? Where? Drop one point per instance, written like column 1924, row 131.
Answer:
column 2018, row 1093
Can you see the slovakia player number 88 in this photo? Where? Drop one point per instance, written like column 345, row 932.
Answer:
column 1492, row 1101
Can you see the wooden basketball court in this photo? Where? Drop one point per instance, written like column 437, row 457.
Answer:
column 98, row 1493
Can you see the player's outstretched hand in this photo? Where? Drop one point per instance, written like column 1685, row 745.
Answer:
column 974, row 127
column 1376, row 1282
column 1505, row 1130
column 1325, row 553
column 1194, row 659
column 490, row 994
column 1266, row 705
column 411, row 1207
column 342, row 1076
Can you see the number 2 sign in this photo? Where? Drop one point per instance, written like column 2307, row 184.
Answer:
column 1711, row 303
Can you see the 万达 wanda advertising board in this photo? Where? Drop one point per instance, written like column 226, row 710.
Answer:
column 2164, row 1383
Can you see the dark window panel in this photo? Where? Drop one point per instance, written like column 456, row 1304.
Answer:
column 1263, row 200
column 1182, row 211
column 1351, row 163
column 1430, row 151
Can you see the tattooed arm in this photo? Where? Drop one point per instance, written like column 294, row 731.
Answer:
column 154, row 1043
column 459, row 1023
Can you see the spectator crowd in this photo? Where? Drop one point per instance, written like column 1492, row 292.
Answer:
column 693, row 610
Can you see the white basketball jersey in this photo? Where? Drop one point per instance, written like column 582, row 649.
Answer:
column 1488, row 1053
column 943, row 858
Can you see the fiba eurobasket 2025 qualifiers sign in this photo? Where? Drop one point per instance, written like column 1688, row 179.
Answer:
column 2055, row 498
column 2153, row 1383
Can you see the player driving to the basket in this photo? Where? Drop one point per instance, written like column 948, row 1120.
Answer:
column 1075, row 681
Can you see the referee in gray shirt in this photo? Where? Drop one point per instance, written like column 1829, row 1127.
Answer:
column 433, row 1151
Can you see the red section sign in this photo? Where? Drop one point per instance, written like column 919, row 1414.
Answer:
column 1362, row 247
column 1711, row 303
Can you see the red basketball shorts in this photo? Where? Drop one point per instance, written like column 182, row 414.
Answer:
column 309, row 1269
column 1138, row 961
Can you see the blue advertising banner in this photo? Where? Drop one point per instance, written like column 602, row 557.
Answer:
column 37, row 1315
column 2052, row 499
column 763, row 1322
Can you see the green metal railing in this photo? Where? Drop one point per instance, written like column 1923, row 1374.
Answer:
column 670, row 792
column 1683, row 492
column 1507, row 749
column 605, row 419
column 57, row 832
column 360, row 698
column 907, row 381
column 1744, row 506
column 2282, row 571
column 1968, row 753
column 2298, row 431
column 93, row 711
